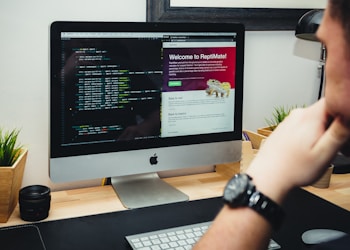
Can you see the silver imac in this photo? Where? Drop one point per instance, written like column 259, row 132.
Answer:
column 132, row 100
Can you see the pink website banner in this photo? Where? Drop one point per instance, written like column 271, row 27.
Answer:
column 193, row 68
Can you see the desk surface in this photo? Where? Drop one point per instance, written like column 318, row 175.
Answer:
column 108, row 230
column 102, row 199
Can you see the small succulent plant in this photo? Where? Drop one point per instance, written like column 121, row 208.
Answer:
column 9, row 150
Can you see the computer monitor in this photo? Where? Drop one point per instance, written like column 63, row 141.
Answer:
column 132, row 100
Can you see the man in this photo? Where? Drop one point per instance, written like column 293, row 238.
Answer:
column 286, row 161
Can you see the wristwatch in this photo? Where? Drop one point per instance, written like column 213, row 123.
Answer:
column 240, row 191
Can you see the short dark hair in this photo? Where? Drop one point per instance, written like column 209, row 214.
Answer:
column 340, row 10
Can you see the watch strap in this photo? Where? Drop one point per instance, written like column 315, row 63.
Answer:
column 240, row 191
column 266, row 207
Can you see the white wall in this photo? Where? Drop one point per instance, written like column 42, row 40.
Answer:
column 280, row 70
column 275, row 73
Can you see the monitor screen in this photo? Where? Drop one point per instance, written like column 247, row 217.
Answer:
column 129, row 99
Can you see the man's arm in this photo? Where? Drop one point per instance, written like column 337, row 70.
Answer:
column 296, row 154
column 239, row 228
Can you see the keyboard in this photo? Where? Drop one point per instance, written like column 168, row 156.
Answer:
column 177, row 238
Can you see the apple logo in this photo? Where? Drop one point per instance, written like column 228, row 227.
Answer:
column 153, row 159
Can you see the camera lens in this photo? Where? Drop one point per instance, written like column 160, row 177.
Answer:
column 34, row 202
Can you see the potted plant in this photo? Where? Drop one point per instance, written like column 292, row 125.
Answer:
column 12, row 162
column 278, row 115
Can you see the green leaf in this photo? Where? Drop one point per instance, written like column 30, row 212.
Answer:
column 278, row 115
column 9, row 150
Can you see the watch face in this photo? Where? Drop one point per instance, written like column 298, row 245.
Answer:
column 236, row 188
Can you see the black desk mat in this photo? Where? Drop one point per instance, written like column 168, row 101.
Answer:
column 307, row 211
column 107, row 231
column 26, row 237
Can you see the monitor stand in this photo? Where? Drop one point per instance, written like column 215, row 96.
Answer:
column 145, row 190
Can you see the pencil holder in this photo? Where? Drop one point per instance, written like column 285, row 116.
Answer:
column 325, row 179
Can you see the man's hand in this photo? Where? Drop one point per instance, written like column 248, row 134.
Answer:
column 298, row 152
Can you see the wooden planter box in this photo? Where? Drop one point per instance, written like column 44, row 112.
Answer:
column 266, row 131
column 256, row 139
column 10, row 184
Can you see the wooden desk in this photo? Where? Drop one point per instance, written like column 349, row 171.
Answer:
column 102, row 199
column 338, row 191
